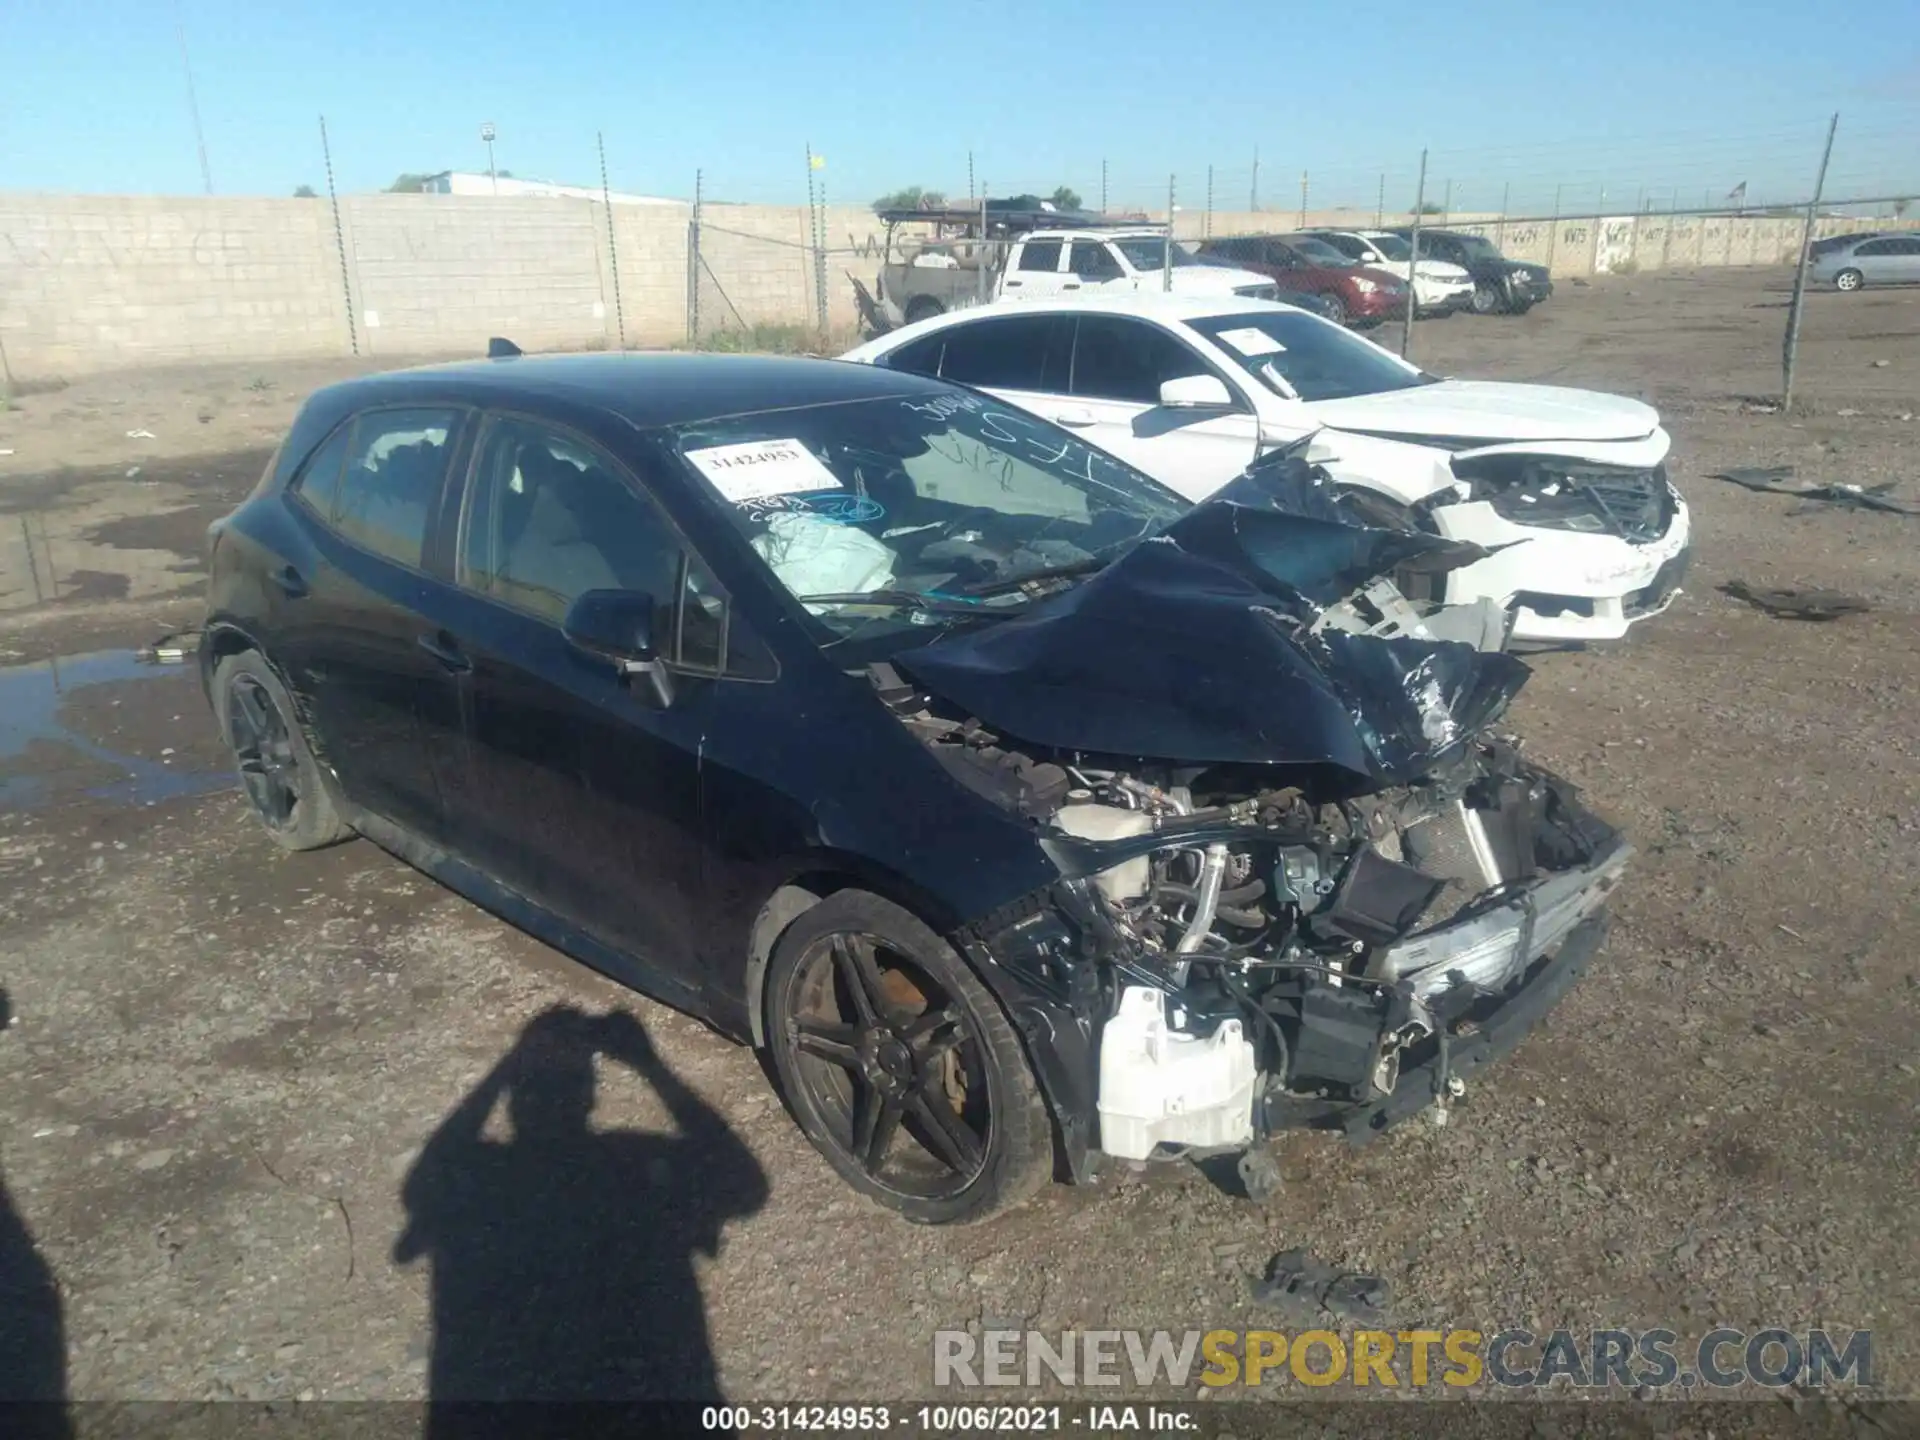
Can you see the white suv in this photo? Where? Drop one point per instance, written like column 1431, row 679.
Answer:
column 1439, row 289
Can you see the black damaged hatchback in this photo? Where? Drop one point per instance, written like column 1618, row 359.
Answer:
column 1028, row 817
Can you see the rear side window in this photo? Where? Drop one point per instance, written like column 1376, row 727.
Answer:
column 1352, row 246
column 922, row 357
column 1040, row 255
column 318, row 482
column 1019, row 352
column 391, row 482
column 1879, row 247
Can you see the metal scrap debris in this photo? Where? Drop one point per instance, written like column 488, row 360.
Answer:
column 1789, row 604
column 170, row 649
column 1307, row 1289
column 1778, row 480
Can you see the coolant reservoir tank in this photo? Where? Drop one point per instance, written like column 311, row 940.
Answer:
column 1127, row 880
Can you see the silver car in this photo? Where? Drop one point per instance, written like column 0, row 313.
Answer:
column 1864, row 260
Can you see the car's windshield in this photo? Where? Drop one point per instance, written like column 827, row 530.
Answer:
column 1305, row 358
column 1319, row 252
column 1149, row 252
column 1391, row 246
column 947, row 498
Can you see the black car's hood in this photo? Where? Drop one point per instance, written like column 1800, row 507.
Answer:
column 1195, row 646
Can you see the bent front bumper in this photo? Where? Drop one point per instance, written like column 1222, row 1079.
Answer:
column 1563, row 585
column 1464, row 1047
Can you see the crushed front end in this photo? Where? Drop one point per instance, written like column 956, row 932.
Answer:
column 1256, row 959
column 1349, row 889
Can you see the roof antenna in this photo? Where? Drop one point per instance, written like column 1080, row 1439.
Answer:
column 499, row 348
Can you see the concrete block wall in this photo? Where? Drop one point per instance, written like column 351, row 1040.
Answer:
column 89, row 283
column 441, row 273
column 92, row 283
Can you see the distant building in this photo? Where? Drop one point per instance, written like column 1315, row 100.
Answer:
column 461, row 182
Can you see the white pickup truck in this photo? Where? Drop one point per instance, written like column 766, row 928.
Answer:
column 923, row 279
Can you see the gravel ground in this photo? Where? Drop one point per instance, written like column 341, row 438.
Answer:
column 226, row 1064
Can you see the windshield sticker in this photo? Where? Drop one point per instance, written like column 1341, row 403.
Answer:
column 1252, row 342
column 762, row 469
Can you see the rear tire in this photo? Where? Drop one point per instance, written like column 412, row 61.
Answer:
column 901, row 1067
column 923, row 307
column 1849, row 280
column 278, row 774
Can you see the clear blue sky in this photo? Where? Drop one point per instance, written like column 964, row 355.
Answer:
column 1680, row 98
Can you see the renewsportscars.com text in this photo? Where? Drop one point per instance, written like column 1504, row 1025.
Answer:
column 1511, row 1358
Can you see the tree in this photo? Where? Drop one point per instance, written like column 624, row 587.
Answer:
column 913, row 197
column 1432, row 207
column 1066, row 198
column 305, row 192
column 409, row 183
column 1900, row 208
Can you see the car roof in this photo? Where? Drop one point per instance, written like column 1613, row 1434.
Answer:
column 649, row 389
column 1160, row 304
column 1105, row 232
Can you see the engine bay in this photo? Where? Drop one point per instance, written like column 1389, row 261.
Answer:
column 1259, row 939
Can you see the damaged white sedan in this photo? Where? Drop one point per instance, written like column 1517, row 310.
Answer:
column 1568, row 488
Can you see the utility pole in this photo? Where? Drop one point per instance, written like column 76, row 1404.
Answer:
column 1446, row 205
column 1103, row 187
column 1206, row 222
column 1380, row 205
column 1303, row 199
column 1253, row 196
column 1790, row 350
column 969, row 177
column 486, row 134
column 1413, row 260
column 193, row 102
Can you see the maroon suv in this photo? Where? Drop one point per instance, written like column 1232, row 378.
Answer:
column 1352, row 294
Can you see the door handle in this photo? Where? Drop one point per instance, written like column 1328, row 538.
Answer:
column 290, row 581
column 1071, row 285
column 1077, row 419
column 442, row 648
column 1015, row 284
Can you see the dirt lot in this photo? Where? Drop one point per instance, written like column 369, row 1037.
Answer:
column 226, row 1062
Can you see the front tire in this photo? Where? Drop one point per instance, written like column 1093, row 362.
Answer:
column 1487, row 300
column 923, row 307
column 1849, row 280
column 901, row 1067
column 278, row 773
column 1336, row 307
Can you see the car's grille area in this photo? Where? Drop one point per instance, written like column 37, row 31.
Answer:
column 1631, row 504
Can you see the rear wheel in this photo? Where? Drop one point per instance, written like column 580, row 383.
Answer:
column 1849, row 280
column 900, row 1065
column 277, row 770
column 923, row 307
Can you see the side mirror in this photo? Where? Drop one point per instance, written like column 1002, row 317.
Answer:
column 617, row 625
column 1195, row 392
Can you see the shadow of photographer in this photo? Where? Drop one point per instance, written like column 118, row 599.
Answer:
column 563, row 1259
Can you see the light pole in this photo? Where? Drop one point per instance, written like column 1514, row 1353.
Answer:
column 486, row 134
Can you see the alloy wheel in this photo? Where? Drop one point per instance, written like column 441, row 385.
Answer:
column 1848, row 280
column 893, row 1062
column 263, row 745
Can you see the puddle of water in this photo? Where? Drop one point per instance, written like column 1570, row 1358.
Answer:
column 32, row 701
